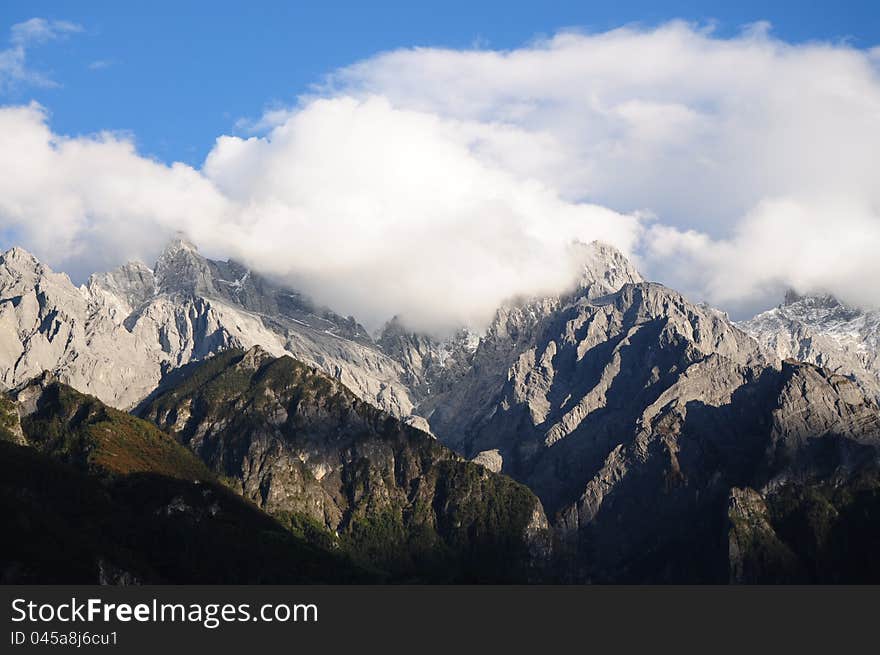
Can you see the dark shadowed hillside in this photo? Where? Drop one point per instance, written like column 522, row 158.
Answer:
column 90, row 494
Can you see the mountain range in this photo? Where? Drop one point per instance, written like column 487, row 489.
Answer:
column 616, row 432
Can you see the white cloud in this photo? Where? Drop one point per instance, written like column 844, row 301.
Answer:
column 410, row 220
column 22, row 36
column 100, row 64
column 813, row 243
column 382, row 211
column 87, row 204
column 712, row 136
column 40, row 30
column 436, row 183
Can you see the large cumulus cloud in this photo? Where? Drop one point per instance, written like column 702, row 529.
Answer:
column 436, row 183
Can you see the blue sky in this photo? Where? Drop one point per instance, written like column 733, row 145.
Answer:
column 177, row 74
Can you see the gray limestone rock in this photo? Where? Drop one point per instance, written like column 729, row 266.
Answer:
column 117, row 336
column 822, row 330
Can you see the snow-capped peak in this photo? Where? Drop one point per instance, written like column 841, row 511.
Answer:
column 822, row 330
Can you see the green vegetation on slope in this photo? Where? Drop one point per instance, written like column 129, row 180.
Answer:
column 80, row 429
column 820, row 526
column 299, row 443
column 833, row 526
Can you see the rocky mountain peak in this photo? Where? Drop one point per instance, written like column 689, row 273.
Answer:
column 20, row 263
column 430, row 364
column 604, row 269
column 182, row 269
column 635, row 415
column 180, row 243
column 117, row 336
column 16, row 255
column 793, row 299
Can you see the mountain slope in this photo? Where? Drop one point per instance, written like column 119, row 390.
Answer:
column 465, row 374
column 563, row 376
column 296, row 441
column 820, row 531
column 91, row 495
column 82, row 431
column 661, row 498
column 634, row 415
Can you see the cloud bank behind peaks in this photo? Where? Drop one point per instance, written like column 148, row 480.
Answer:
column 437, row 183
column 387, row 211
column 373, row 210
column 758, row 157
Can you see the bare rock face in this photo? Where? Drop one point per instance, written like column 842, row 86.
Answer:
column 573, row 376
column 814, row 402
column 430, row 365
column 117, row 336
column 604, row 270
column 180, row 269
column 133, row 283
column 471, row 397
column 822, row 330
column 777, row 430
column 491, row 459
column 633, row 413
column 812, row 512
